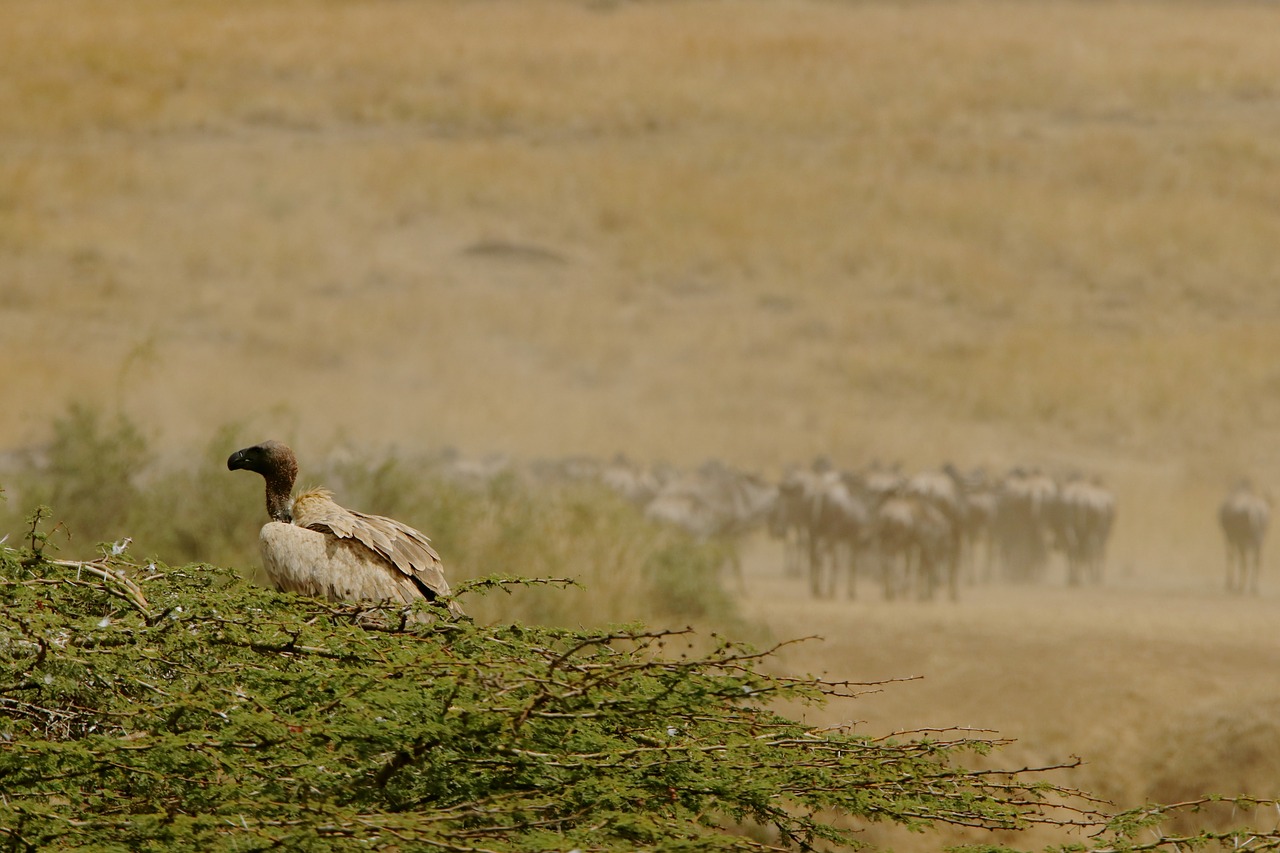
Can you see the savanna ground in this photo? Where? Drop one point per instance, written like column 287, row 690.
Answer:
column 1164, row 693
column 995, row 233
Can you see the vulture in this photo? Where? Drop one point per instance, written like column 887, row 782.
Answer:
column 316, row 547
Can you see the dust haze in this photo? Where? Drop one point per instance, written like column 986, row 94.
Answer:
column 988, row 233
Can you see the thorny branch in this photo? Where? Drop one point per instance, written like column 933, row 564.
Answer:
column 289, row 718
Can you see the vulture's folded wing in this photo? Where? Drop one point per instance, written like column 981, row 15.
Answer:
column 317, row 563
column 405, row 549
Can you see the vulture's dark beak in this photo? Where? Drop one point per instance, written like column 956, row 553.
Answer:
column 237, row 461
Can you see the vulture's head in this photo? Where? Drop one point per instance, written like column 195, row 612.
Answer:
column 277, row 465
column 270, row 458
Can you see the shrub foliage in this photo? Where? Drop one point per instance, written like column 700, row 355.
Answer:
column 145, row 707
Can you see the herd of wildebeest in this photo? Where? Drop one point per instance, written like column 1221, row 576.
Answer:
column 913, row 534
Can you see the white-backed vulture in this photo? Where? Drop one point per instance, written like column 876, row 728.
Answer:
column 315, row 547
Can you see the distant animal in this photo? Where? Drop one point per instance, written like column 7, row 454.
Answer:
column 716, row 502
column 789, row 520
column 981, row 506
column 1022, row 524
column 633, row 483
column 1244, row 516
column 941, row 529
column 916, row 545
column 838, row 521
column 1081, row 520
column 978, row 505
column 315, row 547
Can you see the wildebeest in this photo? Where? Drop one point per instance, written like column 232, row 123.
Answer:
column 941, row 492
column 715, row 502
column 981, row 506
column 1244, row 516
column 789, row 519
column 838, row 523
column 915, row 543
column 635, row 484
column 1081, row 517
column 1022, row 524
column 822, row 517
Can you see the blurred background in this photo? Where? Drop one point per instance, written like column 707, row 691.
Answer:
column 439, row 245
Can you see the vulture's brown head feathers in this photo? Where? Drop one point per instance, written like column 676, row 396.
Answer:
column 278, row 466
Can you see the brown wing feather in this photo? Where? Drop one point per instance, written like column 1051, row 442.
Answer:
column 400, row 546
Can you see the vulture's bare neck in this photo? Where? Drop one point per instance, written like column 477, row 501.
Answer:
column 279, row 496
column 278, row 466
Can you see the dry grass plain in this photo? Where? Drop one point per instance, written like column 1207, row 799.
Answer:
column 991, row 232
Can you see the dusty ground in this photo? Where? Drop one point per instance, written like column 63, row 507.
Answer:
column 1166, row 691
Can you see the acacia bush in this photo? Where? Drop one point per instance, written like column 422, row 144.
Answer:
column 155, row 708
column 146, row 707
